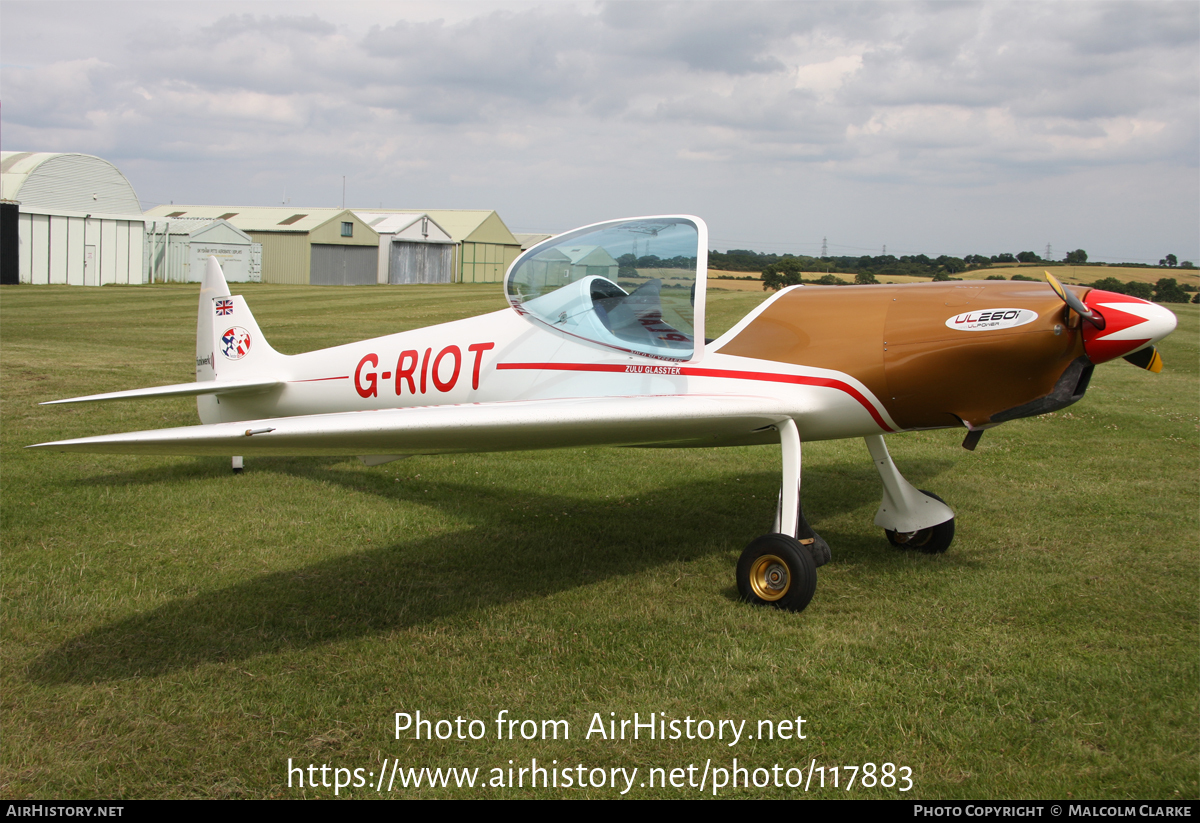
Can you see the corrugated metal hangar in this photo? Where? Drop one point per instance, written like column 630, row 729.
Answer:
column 321, row 247
column 486, row 247
column 75, row 219
column 412, row 248
column 177, row 250
column 340, row 246
column 79, row 221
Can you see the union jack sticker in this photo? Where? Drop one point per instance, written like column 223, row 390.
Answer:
column 224, row 306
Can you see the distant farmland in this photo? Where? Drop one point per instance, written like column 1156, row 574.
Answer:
column 1078, row 275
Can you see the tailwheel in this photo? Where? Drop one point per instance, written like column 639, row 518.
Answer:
column 777, row 570
column 934, row 540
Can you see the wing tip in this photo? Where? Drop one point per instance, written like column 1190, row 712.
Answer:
column 175, row 390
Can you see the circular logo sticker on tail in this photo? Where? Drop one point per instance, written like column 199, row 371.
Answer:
column 235, row 343
column 991, row 319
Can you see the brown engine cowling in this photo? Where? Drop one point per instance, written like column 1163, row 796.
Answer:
column 927, row 368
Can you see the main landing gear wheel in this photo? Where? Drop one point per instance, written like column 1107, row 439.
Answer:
column 934, row 540
column 777, row 570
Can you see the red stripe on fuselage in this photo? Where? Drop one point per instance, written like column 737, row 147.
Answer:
column 690, row 371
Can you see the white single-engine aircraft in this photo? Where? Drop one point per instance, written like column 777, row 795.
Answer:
column 604, row 345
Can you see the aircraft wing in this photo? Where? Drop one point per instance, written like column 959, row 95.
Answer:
column 475, row 427
column 177, row 390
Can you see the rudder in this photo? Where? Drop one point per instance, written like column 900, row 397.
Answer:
column 229, row 343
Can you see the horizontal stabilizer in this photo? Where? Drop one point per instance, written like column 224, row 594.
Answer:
column 177, row 390
column 476, row 427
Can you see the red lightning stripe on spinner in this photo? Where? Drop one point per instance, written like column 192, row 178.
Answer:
column 730, row 374
column 1120, row 334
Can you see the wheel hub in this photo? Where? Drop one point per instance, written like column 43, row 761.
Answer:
column 769, row 578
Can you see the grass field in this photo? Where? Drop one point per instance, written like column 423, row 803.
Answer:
column 173, row 630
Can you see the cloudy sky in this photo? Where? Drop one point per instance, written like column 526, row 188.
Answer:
column 927, row 127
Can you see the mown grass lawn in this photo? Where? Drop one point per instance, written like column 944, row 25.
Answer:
column 172, row 630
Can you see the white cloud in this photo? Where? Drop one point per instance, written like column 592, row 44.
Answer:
column 827, row 77
column 616, row 105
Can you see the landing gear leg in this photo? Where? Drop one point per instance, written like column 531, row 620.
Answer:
column 789, row 513
column 805, row 536
column 911, row 518
column 780, row 569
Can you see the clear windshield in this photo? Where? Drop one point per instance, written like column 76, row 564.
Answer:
column 630, row 284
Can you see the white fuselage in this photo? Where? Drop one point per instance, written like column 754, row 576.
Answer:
column 506, row 357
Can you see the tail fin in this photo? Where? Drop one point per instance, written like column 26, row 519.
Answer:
column 229, row 344
column 212, row 287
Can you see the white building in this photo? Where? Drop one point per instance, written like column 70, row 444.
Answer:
column 177, row 250
column 413, row 248
column 79, row 221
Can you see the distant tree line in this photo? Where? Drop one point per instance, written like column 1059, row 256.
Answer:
column 1166, row 290
column 1171, row 261
column 653, row 261
column 778, row 271
column 918, row 265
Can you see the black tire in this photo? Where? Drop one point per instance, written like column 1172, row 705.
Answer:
column 934, row 540
column 819, row 550
column 778, row 571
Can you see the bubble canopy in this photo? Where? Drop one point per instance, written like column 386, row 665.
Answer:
column 634, row 285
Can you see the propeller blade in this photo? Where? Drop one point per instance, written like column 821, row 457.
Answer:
column 1074, row 302
column 1147, row 358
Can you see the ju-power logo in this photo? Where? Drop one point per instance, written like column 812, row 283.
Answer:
column 235, row 343
column 991, row 319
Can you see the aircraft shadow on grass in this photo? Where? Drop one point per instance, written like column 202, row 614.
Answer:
column 521, row 546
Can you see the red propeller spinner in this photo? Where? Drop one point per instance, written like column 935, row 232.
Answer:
column 1117, row 325
column 1130, row 325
